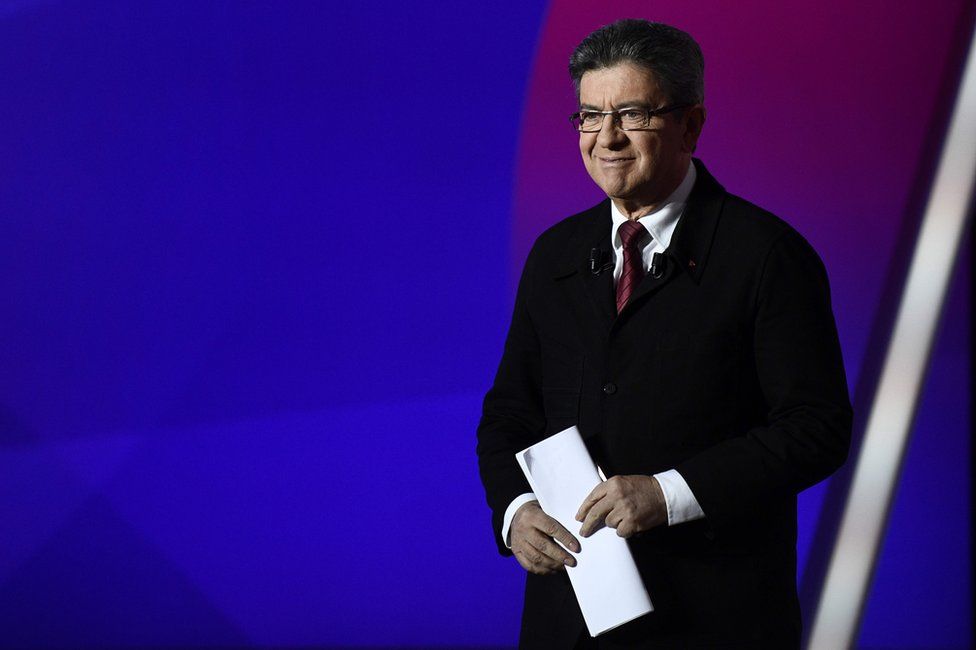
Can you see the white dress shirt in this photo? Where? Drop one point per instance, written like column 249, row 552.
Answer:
column 660, row 224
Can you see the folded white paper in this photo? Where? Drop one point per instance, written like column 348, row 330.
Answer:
column 606, row 581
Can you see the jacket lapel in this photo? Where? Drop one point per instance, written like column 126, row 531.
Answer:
column 692, row 237
column 688, row 251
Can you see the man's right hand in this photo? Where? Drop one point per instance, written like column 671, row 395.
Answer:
column 532, row 533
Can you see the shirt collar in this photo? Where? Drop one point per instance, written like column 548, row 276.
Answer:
column 662, row 221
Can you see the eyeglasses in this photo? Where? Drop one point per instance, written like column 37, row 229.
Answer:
column 629, row 119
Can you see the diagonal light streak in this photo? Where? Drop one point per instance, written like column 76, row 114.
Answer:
column 889, row 423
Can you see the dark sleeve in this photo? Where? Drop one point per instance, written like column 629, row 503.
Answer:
column 801, row 375
column 512, row 415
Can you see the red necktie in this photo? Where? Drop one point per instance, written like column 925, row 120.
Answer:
column 633, row 268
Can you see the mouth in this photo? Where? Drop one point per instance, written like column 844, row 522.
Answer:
column 614, row 161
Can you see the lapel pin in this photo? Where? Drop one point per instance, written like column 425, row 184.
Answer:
column 691, row 264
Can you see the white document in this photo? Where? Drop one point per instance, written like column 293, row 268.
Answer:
column 605, row 578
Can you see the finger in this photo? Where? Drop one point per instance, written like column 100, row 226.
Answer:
column 527, row 554
column 533, row 520
column 522, row 561
column 554, row 529
column 596, row 517
column 525, row 559
column 592, row 498
column 620, row 522
column 539, row 553
column 531, row 558
column 547, row 546
column 626, row 529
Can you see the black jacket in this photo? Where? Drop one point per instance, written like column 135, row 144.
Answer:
column 726, row 368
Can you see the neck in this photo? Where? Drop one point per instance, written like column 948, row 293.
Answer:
column 634, row 207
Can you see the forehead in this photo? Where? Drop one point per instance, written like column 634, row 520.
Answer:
column 624, row 83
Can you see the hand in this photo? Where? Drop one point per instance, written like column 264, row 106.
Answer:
column 532, row 532
column 632, row 504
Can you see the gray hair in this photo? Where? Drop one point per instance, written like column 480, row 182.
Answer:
column 671, row 55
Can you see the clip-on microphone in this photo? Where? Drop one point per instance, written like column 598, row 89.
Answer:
column 597, row 264
column 658, row 264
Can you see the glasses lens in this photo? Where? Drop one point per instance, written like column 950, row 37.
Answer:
column 633, row 119
column 628, row 119
column 589, row 121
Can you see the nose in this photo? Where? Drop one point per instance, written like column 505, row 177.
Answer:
column 610, row 133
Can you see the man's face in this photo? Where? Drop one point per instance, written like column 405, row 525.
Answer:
column 638, row 168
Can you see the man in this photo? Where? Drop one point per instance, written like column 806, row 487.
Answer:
column 689, row 335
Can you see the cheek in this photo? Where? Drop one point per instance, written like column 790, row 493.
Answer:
column 648, row 151
column 585, row 151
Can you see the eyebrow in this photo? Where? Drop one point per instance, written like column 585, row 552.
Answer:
column 622, row 105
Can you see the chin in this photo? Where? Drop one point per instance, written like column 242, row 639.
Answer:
column 614, row 187
column 617, row 191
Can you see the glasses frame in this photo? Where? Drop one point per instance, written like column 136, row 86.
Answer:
column 651, row 113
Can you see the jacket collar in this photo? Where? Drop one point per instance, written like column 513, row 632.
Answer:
column 695, row 231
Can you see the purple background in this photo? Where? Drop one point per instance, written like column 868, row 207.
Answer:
column 257, row 264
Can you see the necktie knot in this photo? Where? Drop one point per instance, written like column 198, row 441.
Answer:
column 631, row 233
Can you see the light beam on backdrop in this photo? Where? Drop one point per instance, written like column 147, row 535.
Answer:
column 889, row 423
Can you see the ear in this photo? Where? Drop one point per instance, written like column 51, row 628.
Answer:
column 694, row 121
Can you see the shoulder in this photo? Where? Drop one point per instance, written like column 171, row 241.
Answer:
column 750, row 228
column 746, row 220
column 755, row 238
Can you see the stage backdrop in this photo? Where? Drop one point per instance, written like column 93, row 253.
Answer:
column 257, row 265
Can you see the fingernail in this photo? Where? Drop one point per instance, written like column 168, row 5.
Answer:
column 575, row 547
column 569, row 562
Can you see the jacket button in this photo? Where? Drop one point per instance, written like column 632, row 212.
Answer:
column 609, row 388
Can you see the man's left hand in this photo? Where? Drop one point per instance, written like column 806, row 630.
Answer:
column 631, row 504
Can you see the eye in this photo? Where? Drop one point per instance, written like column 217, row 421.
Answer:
column 632, row 116
column 589, row 118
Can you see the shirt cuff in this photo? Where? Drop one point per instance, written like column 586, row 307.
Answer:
column 516, row 503
column 682, row 504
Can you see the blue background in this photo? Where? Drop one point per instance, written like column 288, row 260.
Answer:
column 257, row 267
